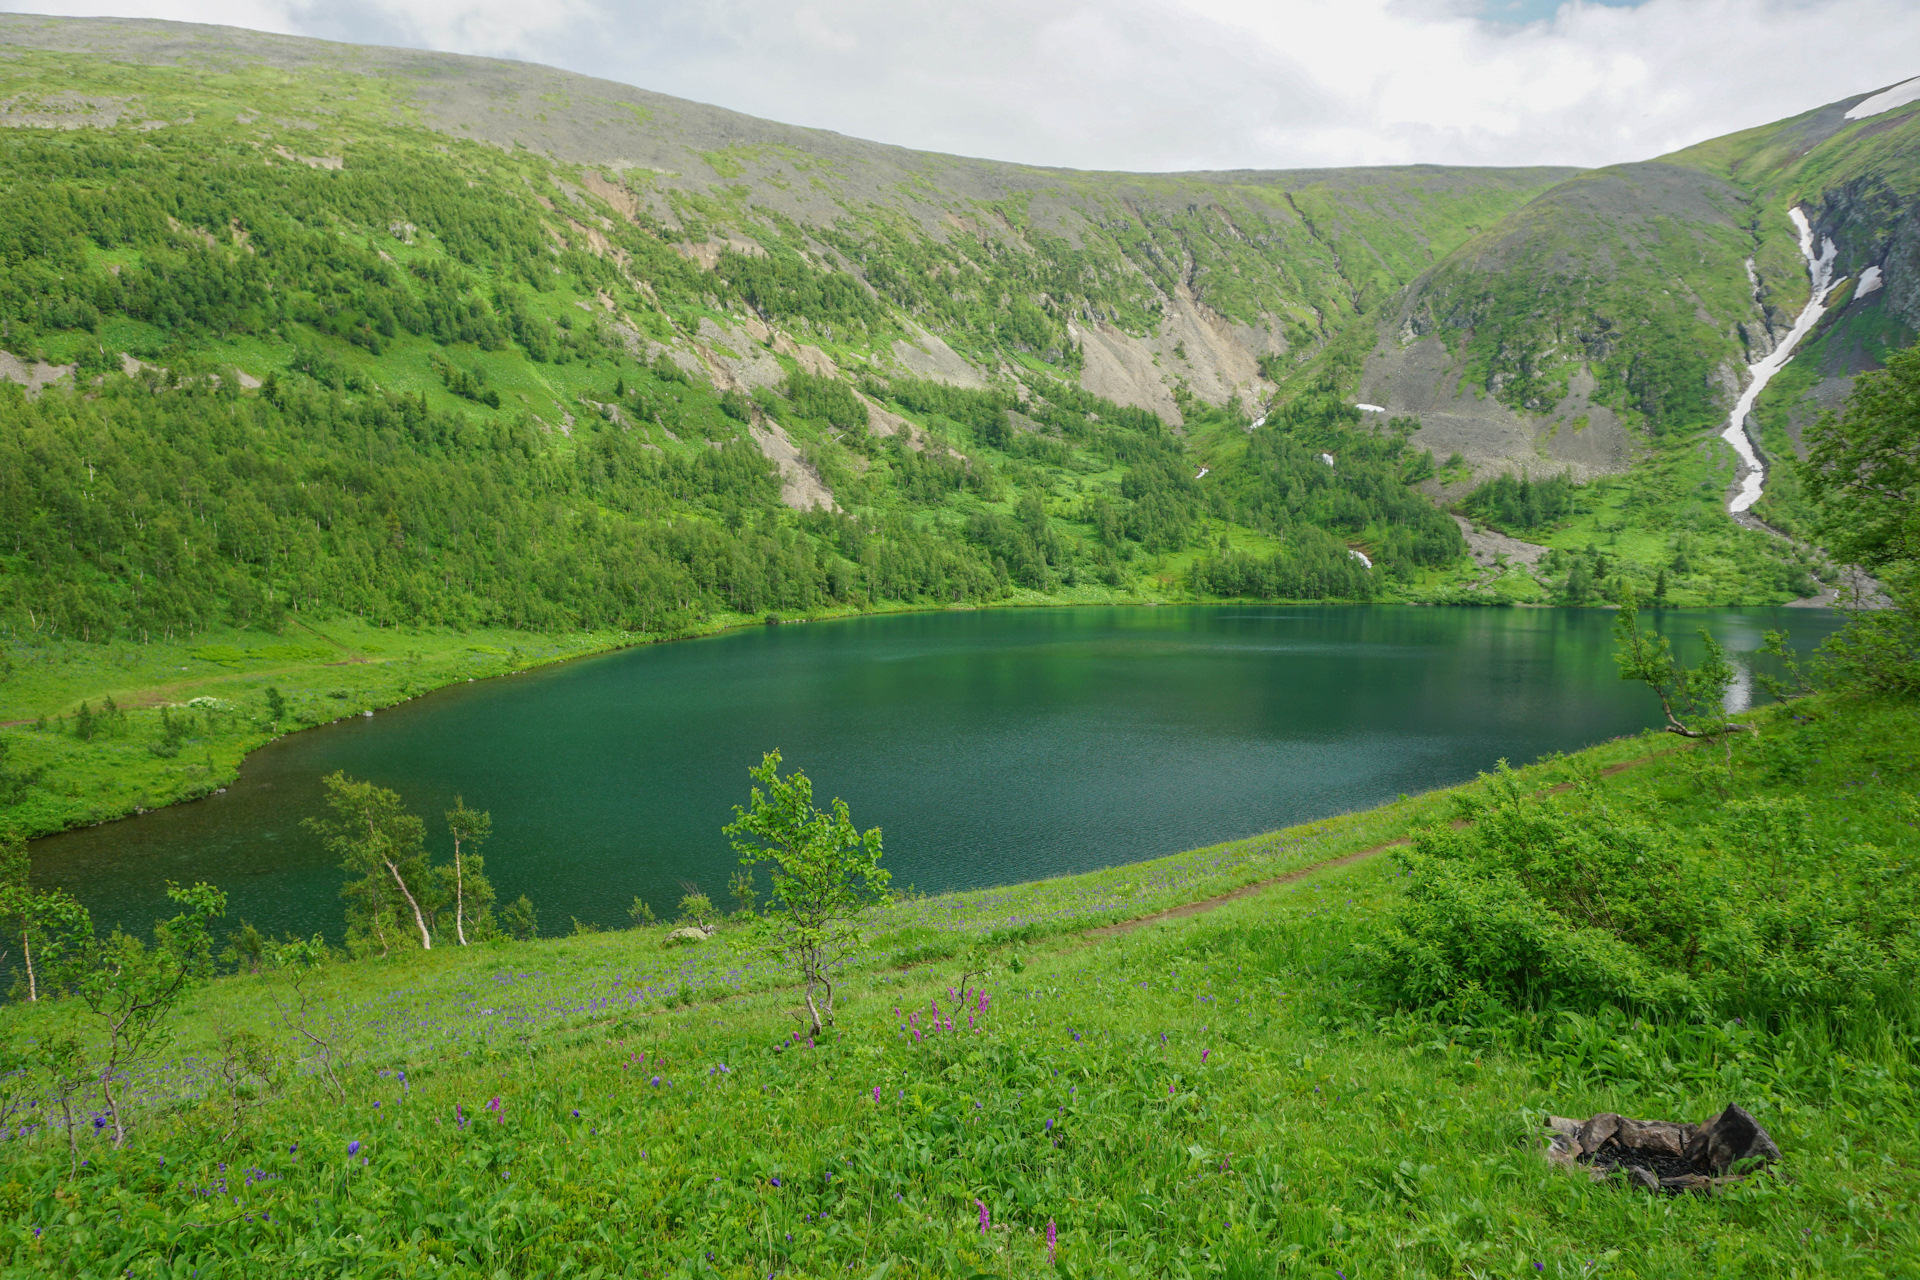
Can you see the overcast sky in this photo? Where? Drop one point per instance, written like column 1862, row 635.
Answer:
column 1178, row 84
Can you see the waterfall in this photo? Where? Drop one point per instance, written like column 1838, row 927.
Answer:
column 1753, row 472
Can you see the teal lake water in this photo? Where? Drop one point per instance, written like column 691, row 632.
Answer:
column 991, row 746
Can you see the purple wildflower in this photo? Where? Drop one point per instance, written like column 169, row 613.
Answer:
column 1052, row 1260
column 985, row 1222
column 353, row 1148
column 1204, row 1053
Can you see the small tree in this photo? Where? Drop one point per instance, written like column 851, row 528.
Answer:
column 640, row 913
column 746, row 898
column 470, row 829
column 825, row 874
column 1692, row 699
column 975, row 962
column 131, row 987
column 520, row 920
column 377, row 839
column 327, row 1037
column 246, row 949
column 695, row 907
column 54, row 929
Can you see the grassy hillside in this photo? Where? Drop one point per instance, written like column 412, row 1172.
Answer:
column 1236, row 1089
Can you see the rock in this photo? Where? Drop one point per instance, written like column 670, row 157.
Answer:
column 1661, row 1136
column 1730, row 1138
column 688, row 936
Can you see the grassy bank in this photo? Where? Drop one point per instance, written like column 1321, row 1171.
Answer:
column 1215, row 1093
column 171, row 722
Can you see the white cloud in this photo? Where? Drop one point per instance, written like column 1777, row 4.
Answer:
column 1167, row 84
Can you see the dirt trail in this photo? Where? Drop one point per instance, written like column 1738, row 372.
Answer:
column 1098, row 933
column 1261, row 886
column 1244, row 891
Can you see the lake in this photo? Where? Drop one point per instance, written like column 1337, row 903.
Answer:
column 991, row 746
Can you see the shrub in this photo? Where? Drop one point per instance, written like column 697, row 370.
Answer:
column 1746, row 914
column 1532, row 907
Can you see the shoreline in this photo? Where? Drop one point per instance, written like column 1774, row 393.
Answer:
column 135, row 785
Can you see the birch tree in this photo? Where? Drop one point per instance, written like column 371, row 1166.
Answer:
column 470, row 829
column 131, row 988
column 1693, row 699
column 825, row 875
column 53, row 928
column 376, row 839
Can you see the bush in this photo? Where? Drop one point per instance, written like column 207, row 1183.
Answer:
column 1533, row 907
column 520, row 920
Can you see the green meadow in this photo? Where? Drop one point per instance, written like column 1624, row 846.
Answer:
column 1192, row 1067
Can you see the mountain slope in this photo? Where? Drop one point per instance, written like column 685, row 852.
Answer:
column 1627, row 290
column 1604, row 331
column 1265, row 261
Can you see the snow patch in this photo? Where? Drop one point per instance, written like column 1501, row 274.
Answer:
column 1753, row 472
column 1886, row 100
column 1370, row 408
column 1869, row 281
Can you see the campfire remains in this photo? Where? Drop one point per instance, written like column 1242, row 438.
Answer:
column 1661, row 1155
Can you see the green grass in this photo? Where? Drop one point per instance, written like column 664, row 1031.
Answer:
column 340, row 668
column 1319, row 1133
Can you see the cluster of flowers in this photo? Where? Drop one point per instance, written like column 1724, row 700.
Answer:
column 940, row 1021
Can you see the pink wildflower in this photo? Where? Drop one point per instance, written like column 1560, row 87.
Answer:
column 1052, row 1259
column 984, row 1221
